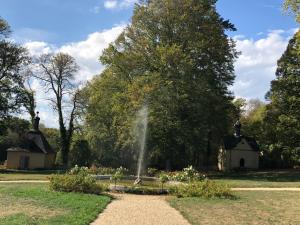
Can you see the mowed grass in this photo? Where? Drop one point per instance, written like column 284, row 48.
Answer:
column 22, row 176
column 261, row 208
column 275, row 178
column 35, row 204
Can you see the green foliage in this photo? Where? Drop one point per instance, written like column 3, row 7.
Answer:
column 80, row 153
column 163, row 178
column 52, row 136
column 152, row 171
column 118, row 175
column 77, row 180
column 13, row 129
column 101, row 170
column 175, row 57
column 282, row 120
column 13, row 60
column 206, row 189
column 293, row 6
column 188, row 174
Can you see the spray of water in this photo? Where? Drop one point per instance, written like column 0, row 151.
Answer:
column 140, row 130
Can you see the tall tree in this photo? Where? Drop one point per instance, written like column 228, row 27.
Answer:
column 176, row 58
column 283, row 117
column 13, row 60
column 57, row 75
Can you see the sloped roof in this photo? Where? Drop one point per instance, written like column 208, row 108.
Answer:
column 232, row 141
column 34, row 141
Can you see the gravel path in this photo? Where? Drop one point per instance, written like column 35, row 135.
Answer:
column 139, row 210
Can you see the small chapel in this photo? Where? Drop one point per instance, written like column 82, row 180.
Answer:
column 33, row 153
column 238, row 151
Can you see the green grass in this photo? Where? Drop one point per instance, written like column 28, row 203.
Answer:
column 249, row 208
column 275, row 178
column 22, row 176
column 35, row 204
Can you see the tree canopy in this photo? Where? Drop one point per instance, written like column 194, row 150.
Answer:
column 176, row 58
column 283, row 118
column 293, row 6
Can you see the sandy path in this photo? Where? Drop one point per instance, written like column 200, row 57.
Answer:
column 139, row 210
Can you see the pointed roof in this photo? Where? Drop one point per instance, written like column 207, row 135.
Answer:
column 230, row 142
column 34, row 141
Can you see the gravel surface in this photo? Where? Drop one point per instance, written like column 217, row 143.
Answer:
column 139, row 210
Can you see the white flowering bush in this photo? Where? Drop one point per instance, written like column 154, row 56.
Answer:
column 188, row 174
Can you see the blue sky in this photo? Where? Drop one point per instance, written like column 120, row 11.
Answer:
column 83, row 28
column 62, row 21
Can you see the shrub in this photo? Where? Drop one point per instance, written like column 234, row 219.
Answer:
column 152, row 171
column 77, row 180
column 104, row 170
column 206, row 188
column 163, row 178
column 188, row 174
column 118, row 175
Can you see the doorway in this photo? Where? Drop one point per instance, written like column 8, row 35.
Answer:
column 242, row 163
column 24, row 162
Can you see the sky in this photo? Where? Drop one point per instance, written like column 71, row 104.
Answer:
column 83, row 28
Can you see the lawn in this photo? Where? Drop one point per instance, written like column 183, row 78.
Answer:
column 250, row 208
column 275, row 178
column 8, row 175
column 22, row 176
column 34, row 204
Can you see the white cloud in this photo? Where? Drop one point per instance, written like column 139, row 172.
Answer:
column 110, row 4
column 118, row 4
column 85, row 52
column 256, row 66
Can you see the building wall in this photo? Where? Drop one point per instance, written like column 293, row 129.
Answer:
column 230, row 159
column 36, row 160
column 50, row 160
column 251, row 158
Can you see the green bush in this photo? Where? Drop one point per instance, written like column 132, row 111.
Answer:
column 206, row 189
column 77, row 180
column 105, row 170
column 118, row 175
column 152, row 171
column 163, row 178
column 188, row 174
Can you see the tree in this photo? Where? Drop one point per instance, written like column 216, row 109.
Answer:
column 282, row 116
column 293, row 6
column 80, row 153
column 57, row 75
column 13, row 60
column 176, row 58
column 11, row 134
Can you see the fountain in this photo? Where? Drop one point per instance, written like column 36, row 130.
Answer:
column 140, row 130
